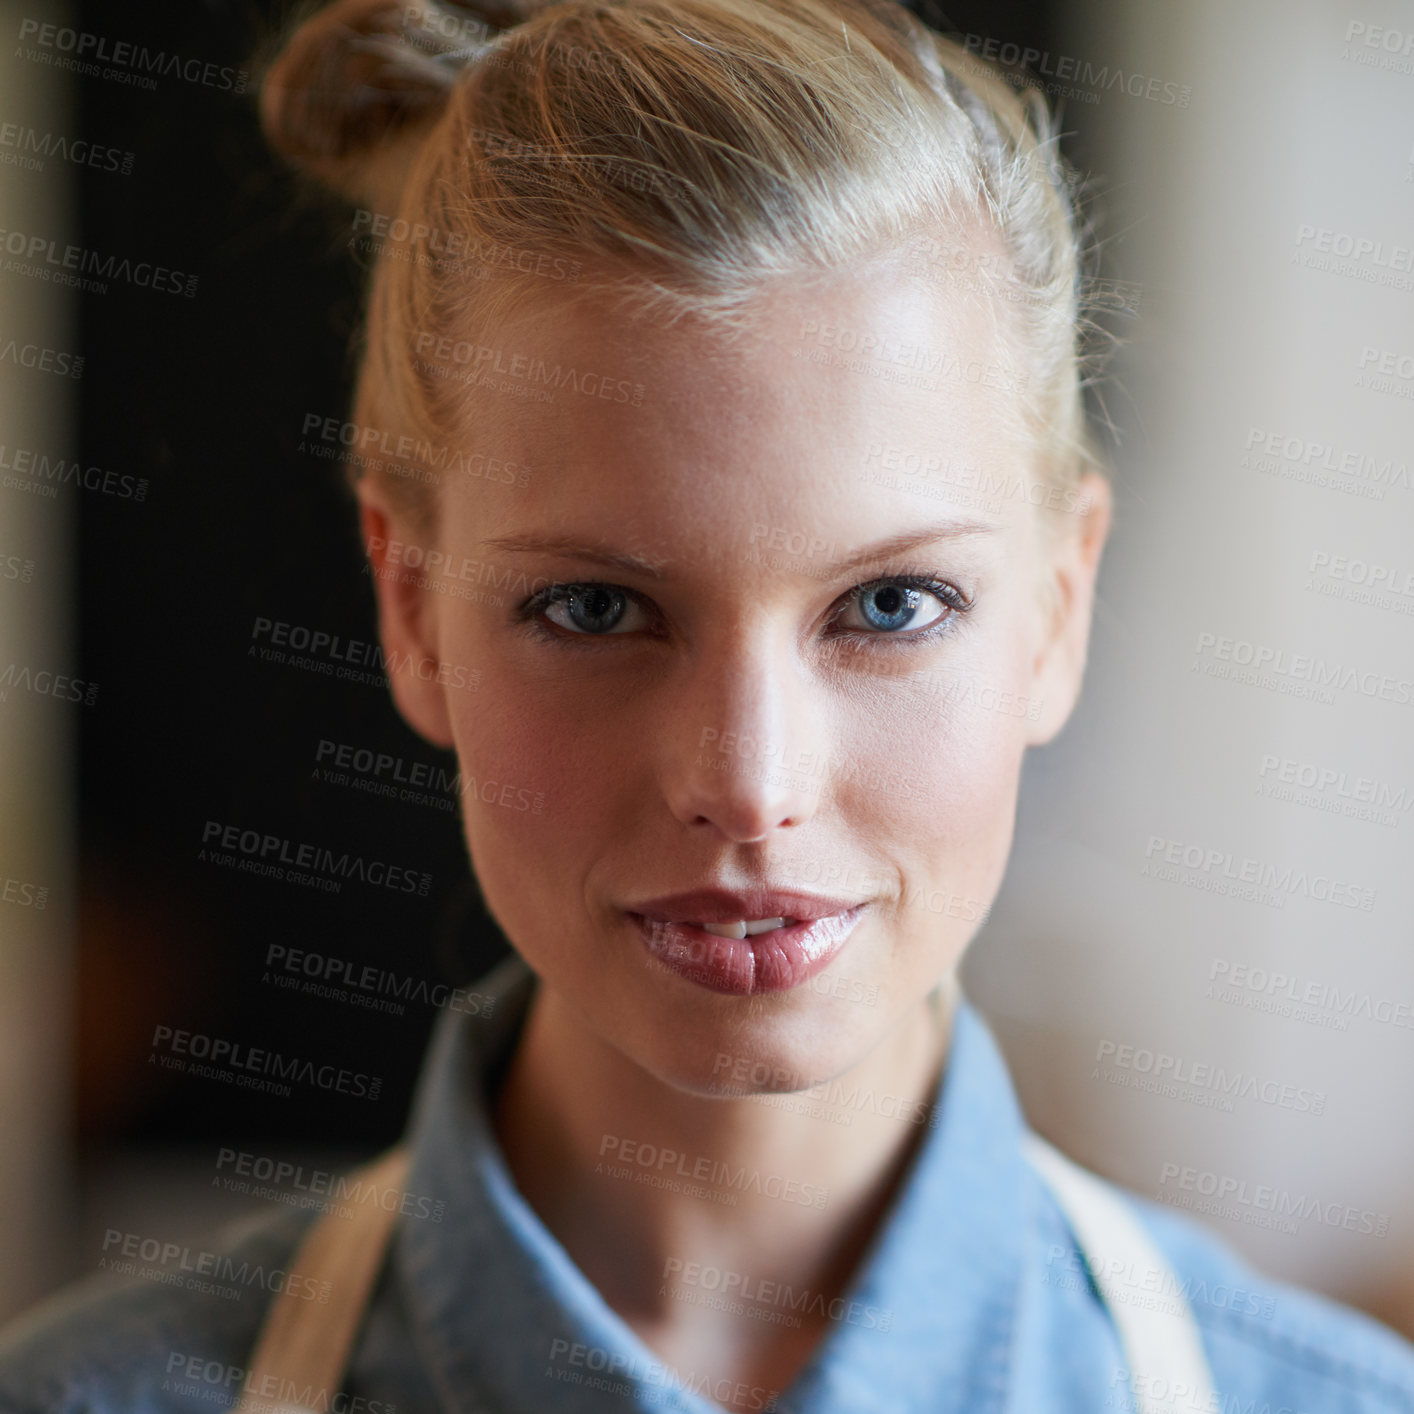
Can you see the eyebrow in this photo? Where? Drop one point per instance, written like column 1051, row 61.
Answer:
column 600, row 554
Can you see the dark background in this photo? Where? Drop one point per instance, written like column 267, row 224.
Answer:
column 206, row 398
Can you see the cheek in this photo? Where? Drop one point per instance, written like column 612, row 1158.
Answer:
column 513, row 821
column 939, row 760
column 948, row 790
column 946, row 731
column 518, row 779
column 542, row 791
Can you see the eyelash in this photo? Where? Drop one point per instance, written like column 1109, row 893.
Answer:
column 528, row 612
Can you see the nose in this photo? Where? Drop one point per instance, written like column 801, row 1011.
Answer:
column 746, row 745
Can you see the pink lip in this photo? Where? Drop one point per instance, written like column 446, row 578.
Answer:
column 768, row 962
column 728, row 905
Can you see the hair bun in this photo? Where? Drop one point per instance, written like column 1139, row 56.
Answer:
column 357, row 85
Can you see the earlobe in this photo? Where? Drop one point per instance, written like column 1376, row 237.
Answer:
column 1060, row 663
column 406, row 629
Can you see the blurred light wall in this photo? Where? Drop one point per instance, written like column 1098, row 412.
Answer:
column 1270, row 223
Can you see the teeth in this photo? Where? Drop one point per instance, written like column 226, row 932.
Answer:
column 745, row 928
column 765, row 925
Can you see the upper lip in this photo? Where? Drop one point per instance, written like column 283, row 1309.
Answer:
column 732, row 905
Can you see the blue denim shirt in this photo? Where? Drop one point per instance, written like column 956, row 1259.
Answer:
column 972, row 1299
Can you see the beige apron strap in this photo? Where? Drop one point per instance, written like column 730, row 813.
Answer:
column 1168, row 1370
column 305, row 1344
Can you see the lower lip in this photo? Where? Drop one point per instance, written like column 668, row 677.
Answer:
column 768, row 962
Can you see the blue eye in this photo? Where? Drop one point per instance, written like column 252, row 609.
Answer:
column 594, row 609
column 892, row 604
column 885, row 609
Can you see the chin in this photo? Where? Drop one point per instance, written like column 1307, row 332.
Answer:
column 763, row 1049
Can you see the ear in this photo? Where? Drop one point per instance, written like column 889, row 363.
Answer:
column 1069, row 595
column 407, row 625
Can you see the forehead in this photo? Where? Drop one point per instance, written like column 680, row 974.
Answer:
column 831, row 386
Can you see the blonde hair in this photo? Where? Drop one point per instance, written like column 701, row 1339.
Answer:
column 682, row 154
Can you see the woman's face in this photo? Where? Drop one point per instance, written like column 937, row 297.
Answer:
column 764, row 692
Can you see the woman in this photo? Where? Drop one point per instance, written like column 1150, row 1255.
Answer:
column 730, row 349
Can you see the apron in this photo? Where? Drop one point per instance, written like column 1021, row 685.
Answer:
column 306, row 1346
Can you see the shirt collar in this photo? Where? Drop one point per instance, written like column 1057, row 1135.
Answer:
column 505, row 1319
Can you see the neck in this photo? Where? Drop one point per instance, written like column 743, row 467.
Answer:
column 639, row 1180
